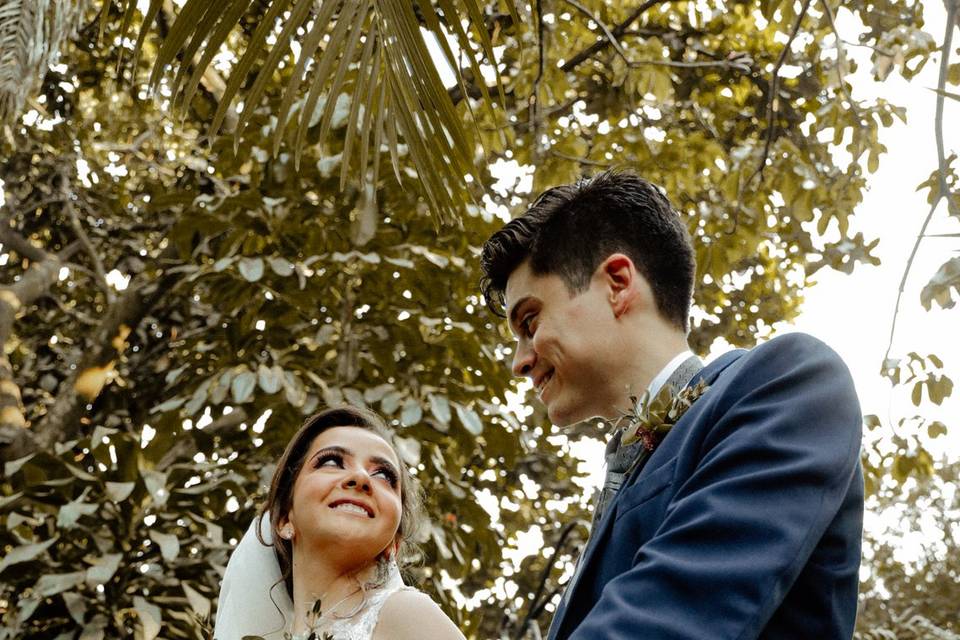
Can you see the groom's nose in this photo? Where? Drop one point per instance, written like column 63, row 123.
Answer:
column 523, row 360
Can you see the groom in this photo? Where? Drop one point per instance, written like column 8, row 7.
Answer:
column 745, row 520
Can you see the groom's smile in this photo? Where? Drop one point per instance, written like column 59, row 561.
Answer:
column 565, row 342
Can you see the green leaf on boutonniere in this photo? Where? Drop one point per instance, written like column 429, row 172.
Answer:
column 652, row 419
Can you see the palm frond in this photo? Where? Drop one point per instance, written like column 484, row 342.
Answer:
column 31, row 32
column 373, row 52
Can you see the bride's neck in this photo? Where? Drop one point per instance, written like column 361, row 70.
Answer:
column 335, row 585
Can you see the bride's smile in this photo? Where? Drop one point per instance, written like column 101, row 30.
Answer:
column 348, row 493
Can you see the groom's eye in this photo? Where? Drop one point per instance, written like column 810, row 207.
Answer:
column 525, row 325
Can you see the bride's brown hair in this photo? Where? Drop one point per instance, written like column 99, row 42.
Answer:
column 280, row 499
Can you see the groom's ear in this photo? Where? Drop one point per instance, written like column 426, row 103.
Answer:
column 619, row 277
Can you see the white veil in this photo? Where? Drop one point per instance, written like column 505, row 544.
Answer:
column 253, row 600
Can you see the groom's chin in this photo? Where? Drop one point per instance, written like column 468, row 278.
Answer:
column 564, row 416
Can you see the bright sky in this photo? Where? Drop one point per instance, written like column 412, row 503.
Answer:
column 853, row 313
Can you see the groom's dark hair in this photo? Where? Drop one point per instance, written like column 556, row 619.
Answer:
column 569, row 230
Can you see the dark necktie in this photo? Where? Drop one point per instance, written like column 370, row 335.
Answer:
column 620, row 458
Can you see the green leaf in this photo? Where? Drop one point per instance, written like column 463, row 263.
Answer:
column 169, row 545
column 99, row 433
column 471, row 421
column 242, row 386
column 251, row 268
column 150, row 617
column 281, row 266
column 50, row 584
column 198, row 602
column 156, row 483
column 294, row 391
column 5, row 501
column 169, row 405
column 409, row 450
column 411, row 414
column 936, row 429
column 76, row 606
column 942, row 285
column 71, row 512
column 353, row 397
column 25, row 553
column 440, row 408
column 12, row 467
column 119, row 491
column 270, row 378
column 103, row 569
column 391, row 402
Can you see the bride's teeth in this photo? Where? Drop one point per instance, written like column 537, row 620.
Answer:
column 346, row 506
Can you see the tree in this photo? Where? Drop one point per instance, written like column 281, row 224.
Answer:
column 915, row 577
column 133, row 416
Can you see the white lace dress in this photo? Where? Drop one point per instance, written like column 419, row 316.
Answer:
column 253, row 601
column 360, row 625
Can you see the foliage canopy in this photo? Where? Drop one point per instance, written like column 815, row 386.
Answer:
column 175, row 305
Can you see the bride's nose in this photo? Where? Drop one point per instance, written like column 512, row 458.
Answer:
column 358, row 479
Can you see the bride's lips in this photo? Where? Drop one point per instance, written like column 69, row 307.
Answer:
column 357, row 503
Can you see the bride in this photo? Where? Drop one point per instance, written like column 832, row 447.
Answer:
column 322, row 556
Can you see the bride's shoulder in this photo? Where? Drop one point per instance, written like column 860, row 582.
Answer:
column 410, row 614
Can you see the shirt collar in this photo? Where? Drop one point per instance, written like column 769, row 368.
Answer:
column 661, row 378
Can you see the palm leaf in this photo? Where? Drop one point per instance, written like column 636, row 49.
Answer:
column 372, row 49
column 31, row 33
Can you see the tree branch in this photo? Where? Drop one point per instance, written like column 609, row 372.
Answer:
column 536, row 604
column 617, row 32
column 953, row 13
column 80, row 232
column 62, row 420
column 740, row 62
column 841, row 57
column 16, row 242
column 773, row 100
column 15, row 440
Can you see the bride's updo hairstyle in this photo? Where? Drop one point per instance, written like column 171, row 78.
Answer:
column 280, row 499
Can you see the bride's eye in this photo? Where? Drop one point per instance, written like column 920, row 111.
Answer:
column 388, row 474
column 329, row 460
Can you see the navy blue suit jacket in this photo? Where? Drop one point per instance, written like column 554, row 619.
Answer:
column 746, row 520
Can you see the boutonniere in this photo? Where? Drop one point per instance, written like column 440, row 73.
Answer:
column 651, row 420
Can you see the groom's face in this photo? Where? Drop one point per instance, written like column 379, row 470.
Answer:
column 563, row 344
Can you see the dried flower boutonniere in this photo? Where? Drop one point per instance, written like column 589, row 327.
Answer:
column 651, row 420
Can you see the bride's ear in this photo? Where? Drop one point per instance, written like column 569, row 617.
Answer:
column 285, row 529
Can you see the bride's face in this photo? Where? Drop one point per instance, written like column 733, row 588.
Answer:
column 347, row 494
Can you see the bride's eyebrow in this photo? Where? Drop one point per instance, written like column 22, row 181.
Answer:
column 347, row 452
column 384, row 462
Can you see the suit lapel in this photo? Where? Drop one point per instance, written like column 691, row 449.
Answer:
column 709, row 373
